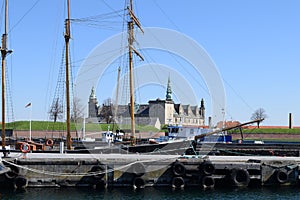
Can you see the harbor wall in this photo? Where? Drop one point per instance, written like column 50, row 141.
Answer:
column 139, row 171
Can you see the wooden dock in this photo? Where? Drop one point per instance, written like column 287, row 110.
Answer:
column 139, row 171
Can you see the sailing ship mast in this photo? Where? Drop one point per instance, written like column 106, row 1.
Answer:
column 133, row 20
column 67, row 39
column 4, row 52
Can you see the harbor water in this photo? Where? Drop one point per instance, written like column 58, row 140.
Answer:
column 264, row 193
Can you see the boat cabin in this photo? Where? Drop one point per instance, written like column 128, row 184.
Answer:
column 111, row 137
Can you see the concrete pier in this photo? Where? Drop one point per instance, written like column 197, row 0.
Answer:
column 139, row 171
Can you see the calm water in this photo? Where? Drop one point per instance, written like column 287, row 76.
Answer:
column 152, row 193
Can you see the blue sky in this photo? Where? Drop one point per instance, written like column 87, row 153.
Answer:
column 254, row 44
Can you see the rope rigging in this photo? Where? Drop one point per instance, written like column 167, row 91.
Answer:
column 57, row 109
column 9, row 107
column 26, row 13
column 108, row 21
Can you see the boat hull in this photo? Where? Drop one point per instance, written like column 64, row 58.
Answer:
column 174, row 148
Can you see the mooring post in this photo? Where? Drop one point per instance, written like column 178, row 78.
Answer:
column 61, row 147
column 290, row 121
column 5, row 152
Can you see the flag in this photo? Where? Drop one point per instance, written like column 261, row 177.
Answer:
column 29, row 104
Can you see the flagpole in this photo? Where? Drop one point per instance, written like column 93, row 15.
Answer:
column 30, row 113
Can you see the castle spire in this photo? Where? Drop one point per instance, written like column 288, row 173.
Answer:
column 202, row 109
column 93, row 95
column 169, row 91
column 93, row 104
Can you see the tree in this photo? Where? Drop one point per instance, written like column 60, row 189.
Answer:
column 56, row 110
column 107, row 111
column 259, row 114
column 77, row 111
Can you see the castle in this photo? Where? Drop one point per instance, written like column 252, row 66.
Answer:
column 156, row 113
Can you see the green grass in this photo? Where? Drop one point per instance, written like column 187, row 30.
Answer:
column 274, row 139
column 270, row 131
column 38, row 125
column 59, row 126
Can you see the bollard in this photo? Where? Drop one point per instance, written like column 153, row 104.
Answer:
column 61, row 147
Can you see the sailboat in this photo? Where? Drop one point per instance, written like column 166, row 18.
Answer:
column 132, row 23
column 46, row 169
column 62, row 169
column 177, row 146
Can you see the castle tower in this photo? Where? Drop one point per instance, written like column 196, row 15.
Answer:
column 93, row 104
column 169, row 91
column 163, row 109
column 169, row 105
column 202, row 109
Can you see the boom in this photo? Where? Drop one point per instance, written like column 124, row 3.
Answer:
column 229, row 128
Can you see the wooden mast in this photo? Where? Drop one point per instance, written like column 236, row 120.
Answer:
column 133, row 20
column 4, row 52
column 131, row 86
column 67, row 39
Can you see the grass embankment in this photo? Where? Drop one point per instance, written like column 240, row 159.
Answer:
column 59, row 126
column 38, row 125
column 270, row 131
column 271, row 134
column 249, row 134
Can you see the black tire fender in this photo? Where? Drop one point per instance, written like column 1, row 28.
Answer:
column 178, row 169
column 20, row 182
column 13, row 173
column 101, row 184
column 99, row 171
column 207, row 168
column 281, row 176
column 208, row 182
column 178, row 182
column 138, row 183
column 240, row 177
